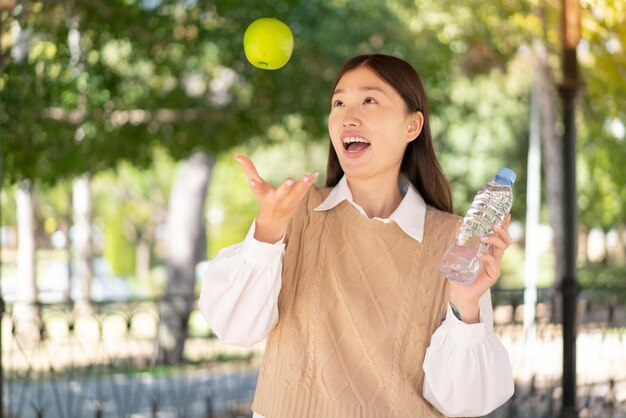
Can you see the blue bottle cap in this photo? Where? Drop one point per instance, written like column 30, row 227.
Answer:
column 506, row 175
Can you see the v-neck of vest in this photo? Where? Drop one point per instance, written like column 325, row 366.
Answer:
column 361, row 221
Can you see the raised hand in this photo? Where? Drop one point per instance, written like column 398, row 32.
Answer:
column 276, row 204
column 465, row 297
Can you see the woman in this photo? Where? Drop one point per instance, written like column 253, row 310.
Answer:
column 344, row 281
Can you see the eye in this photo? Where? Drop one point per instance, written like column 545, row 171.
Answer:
column 370, row 100
column 337, row 103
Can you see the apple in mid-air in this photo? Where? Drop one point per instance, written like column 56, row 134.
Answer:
column 268, row 43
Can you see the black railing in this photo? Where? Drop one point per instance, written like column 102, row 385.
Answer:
column 103, row 361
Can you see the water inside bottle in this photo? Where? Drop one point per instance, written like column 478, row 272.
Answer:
column 461, row 264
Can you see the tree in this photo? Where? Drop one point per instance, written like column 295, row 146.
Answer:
column 26, row 310
column 501, row 31
column 603, row 168
column 186, row 248
column 131, row 206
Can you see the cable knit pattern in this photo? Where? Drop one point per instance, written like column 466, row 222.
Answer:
column 359, row 302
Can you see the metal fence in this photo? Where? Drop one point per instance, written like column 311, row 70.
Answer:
column 537, row 356
column 101, row 362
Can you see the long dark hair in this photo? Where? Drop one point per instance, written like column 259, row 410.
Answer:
column 419, row 163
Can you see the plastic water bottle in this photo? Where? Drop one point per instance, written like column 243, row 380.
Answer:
column 489, row 207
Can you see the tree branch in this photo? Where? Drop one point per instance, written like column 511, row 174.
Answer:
column 134, row 116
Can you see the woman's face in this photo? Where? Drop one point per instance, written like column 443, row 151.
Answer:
column 369, row 125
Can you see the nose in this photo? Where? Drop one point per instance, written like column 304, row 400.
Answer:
column 351, row 118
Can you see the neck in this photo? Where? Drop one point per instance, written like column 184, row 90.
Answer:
column 379, row 197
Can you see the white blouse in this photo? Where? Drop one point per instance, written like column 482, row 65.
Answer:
column 467, row 369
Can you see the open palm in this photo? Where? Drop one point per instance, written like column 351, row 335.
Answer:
column 277, row 205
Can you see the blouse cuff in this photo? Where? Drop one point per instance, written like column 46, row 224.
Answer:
column 261, row 253
column 465, row 334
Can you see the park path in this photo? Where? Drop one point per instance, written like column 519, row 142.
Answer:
column 191, row 392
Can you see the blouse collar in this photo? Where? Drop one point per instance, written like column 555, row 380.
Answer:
column 409, row 215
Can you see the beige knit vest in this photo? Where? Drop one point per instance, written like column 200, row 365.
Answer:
column 359, row 302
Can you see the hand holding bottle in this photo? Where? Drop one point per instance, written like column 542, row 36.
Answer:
column 472, row 262
column 461, row 262
column 465, row 297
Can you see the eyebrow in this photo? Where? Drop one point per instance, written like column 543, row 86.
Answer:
column 365, row 88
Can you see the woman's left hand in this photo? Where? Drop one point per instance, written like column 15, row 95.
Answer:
column 466, row 297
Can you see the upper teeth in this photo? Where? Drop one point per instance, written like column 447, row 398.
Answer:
column 351, row 139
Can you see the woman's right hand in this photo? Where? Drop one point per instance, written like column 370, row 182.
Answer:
column 276, row 205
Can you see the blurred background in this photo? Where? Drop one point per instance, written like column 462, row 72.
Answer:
column 120, row 121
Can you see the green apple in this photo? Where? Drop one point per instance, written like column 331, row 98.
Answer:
column 268, row 43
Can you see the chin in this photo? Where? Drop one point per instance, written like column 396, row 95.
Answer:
column 354, row 173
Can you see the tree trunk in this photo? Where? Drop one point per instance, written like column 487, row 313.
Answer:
column 83, row 252
column 66, row 229
column 552, row 154
column 620, row 245
column 583, row 244
column 142, row 259
column 26, row 313
column 186, row 236
column 604, row 250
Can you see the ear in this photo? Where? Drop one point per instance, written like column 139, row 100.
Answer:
column 415, row 123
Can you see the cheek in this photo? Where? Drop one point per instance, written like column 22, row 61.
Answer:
column 332, row 120
column 338, row 149
column 333, row 128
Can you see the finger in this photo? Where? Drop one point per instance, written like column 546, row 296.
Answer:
column 500, row 240
column 261, row 189
column 304, row 184
column 496, row 253
column 501, row 231
column 295, row 190
column 497, row 247
column 504, row 236
column 249, row 169
column 491, row 266
column 284, row 188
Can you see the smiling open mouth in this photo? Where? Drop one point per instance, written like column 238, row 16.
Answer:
column 355, row 144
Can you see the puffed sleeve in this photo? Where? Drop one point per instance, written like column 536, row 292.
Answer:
column 240, row 288
column 467, row 369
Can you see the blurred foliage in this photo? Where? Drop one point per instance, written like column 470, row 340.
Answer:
column 8, row 205
column 602, row 275
column 98, row 89
column 118, row 250
column 125, row 88
column 603, row 283
column 231, row 206
column 602, row 146
column 131, row 205
column 512, row 269
column 495, row 135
